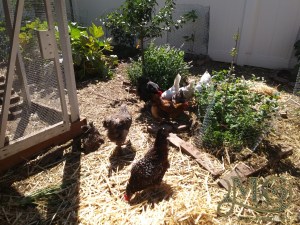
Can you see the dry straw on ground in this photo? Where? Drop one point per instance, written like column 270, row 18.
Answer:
column 68, row 186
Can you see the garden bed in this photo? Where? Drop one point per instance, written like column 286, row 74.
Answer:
column 66, row 185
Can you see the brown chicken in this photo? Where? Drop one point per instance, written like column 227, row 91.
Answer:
column 150, row 170
column 162, row 108
column 91, row 138
column 118, row 125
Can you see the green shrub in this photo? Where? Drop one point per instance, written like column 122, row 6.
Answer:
column 162, row 64
column 4, row 42
column 238, row 116
column 89, row 51
column 142, row 20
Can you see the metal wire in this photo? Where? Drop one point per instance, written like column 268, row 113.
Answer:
column 296, row 90
column 45, row 108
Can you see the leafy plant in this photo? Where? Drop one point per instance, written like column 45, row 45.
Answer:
column 4, row 42
column 139, row 19
column 90, row 50
column 191, row 16
column 162, row 63
column 246, row 116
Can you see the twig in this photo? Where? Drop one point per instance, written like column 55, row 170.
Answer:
column 5, row 215
column 109, row 187
column 208, row 198
column 239, row 213
column 295, row 101
column 100, row 95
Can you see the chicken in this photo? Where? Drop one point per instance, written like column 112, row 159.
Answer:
column 118, row 125
column 150, row 170
column 91, row 138
column 168, row 94
column 204, row 81
column 188, row 91
column 146, row 88
column 162, row 108
column 179, row 97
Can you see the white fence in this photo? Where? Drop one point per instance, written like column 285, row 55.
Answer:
column 269, row 28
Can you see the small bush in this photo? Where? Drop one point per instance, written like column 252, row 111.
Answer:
column 162, row 64
column 238, row 116
column 89, row 51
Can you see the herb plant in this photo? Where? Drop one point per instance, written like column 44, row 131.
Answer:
column 162, row 64
column 247, row 113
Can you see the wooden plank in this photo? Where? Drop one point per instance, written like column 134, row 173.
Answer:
column 241, row 170
column 29, row 152
column 20, row 67
column 244, row 169
column 60, row 82
column 153, row 128
column 209, row 162
column 60, row 8
column 11, row 69
column 29, row 140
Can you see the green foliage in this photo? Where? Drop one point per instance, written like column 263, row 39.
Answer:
column 191, row 16
column 134, row 71
column 162, row 64
column 140, row 19
column 4, row 42
column 90, row 52
column 27, row 31
column 239, row 116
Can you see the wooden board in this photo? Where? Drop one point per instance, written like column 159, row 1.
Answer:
column 241, row 170
column 9, row 162
column 153, row 128
column 244, row 170
column 207, row 161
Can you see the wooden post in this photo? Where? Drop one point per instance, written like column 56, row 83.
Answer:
column 20, row 68
column 57, row 64
column 11, row 69
column 64, row 37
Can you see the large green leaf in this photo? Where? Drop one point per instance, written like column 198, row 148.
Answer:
column 96, row 31
column 76, row 31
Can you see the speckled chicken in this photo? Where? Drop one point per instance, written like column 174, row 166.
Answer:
column 150, row 170
column 118, row 125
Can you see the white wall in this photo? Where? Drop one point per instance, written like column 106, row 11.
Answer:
column 269, row 31
column 87, row 11
column 269, row 28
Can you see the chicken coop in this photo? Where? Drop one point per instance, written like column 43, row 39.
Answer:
column 38, row 101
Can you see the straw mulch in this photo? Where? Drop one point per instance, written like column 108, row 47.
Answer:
column 68, row 186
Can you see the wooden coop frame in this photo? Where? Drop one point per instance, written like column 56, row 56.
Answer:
column 24, row 148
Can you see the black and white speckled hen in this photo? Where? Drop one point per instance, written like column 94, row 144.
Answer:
column 118, row 125
column 150, row 170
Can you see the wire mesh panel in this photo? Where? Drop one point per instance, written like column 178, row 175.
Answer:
column 38, row 100
column 235, row 113
column 296, row 90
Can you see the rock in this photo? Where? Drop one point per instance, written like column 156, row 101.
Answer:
column 284, row 114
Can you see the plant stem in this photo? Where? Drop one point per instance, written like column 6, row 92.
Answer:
column 142, row 51
column 231, row 70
